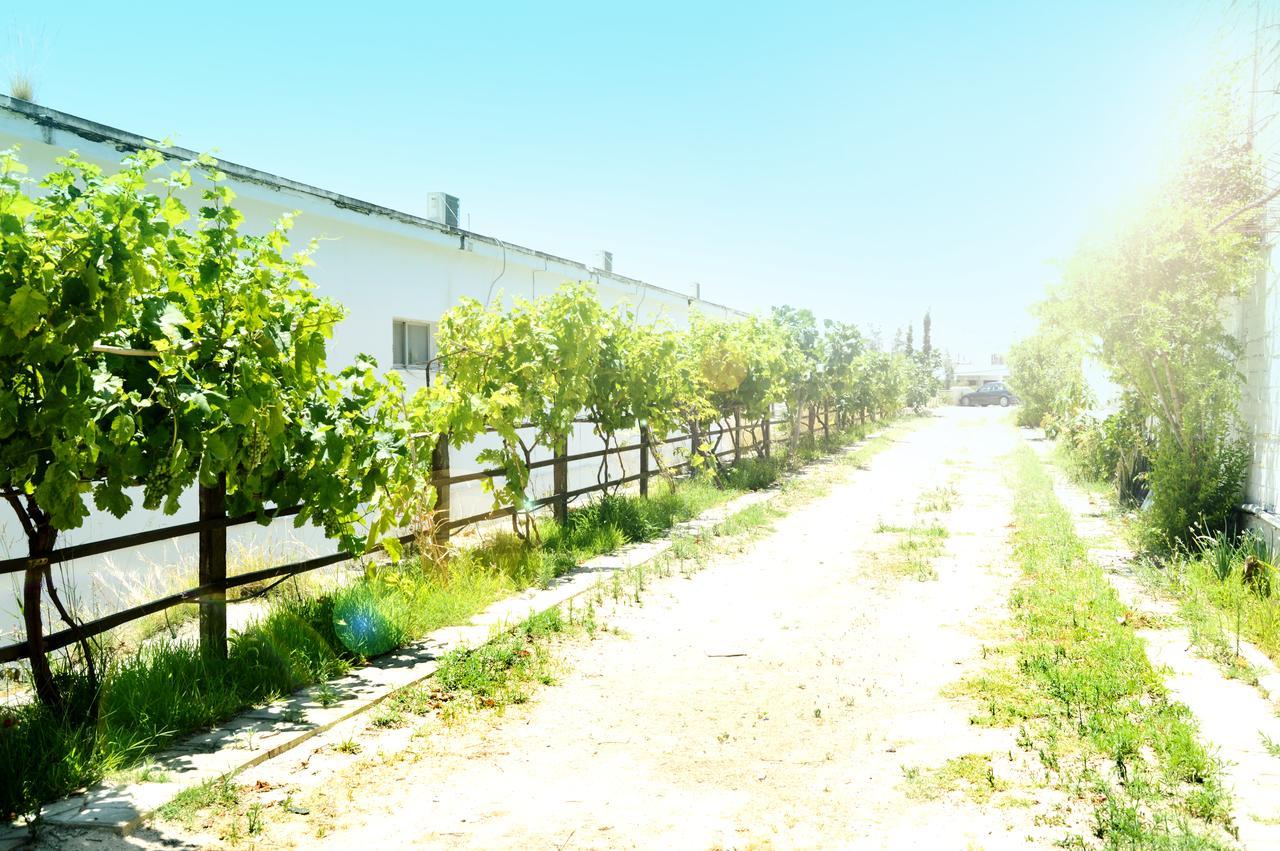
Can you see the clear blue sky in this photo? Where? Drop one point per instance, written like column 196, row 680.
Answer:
column 868, row 161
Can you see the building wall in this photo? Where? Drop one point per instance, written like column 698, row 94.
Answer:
column 381, row 264
column 1257, row 317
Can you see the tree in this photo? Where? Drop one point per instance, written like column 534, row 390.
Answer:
column 844, row 344
column 1149, row 301
column 909, row 347
column 640, row 380
column 1046, row 372
column 926, row 344
column 76, row 257
column 146, row 355
column 529, row 369
column 806, row 359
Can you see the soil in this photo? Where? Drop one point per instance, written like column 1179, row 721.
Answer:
column 782, row 697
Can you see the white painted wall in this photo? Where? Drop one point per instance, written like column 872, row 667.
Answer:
column 1258, row 316
column 380, row 264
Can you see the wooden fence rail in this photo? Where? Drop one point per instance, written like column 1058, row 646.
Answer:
column 213, row 583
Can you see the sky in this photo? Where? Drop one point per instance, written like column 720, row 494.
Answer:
column 869, row 161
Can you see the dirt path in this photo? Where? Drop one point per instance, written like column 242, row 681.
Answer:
column 787, row 696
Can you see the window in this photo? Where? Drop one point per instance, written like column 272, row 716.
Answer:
column 410, row 344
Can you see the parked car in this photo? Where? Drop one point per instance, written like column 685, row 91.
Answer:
column 991, row 393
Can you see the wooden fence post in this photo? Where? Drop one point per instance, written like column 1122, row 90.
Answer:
column 737, row 434
column 765, row 433
column 693, row 444
column 560, row 481
column 644, row 460
column 213, row 571
column 826, row 423
column 813, row 413
column 440, row 479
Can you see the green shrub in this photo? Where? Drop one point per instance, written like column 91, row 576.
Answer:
column 753, row 474
column 1195, row 488
column 1046, row 373
column 1112, row 450
column 371, row 618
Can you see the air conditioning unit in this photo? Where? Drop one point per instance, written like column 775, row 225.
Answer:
column 443, row 208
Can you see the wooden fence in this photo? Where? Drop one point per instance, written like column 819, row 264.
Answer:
column 211, row 527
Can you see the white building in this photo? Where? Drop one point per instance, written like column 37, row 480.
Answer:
column 1258, row 318
column 395, row 273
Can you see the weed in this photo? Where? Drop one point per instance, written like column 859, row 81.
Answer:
column 254, row 819
column 491, row 674
column 387, row 717
column 147, row 772
column 971, row 774
column 326, row 696
column 416, row 700
column 1081, row 683
column 219, row 793
column 937, row 500
column 21, row 87
column 919, row 546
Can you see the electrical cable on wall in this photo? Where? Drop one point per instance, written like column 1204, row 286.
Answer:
column 494, row 282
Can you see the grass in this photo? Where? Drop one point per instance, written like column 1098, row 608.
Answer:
column 494, row 673
column 498, row 674
column 21, row 87
column 1226, row 593
column 218, row 794
column 1077, row 682
column 169, row 689
column 918, row 547
column 970, row 774
column 938, row 500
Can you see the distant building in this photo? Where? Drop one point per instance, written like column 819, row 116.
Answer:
column 969, row 375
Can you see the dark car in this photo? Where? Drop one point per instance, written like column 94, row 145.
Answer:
column 991, row 393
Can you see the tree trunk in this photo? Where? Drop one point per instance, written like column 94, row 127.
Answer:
column 38, row 548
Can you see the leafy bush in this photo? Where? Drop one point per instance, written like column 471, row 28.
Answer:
column 753, row 474
column 1112, row 450
column 1045, row 372
column 1196, row 487
column 372, row 617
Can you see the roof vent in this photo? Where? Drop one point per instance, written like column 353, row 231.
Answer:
column 604, row 260
column 443, row 208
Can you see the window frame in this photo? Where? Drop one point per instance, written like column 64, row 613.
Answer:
column 400, row 326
